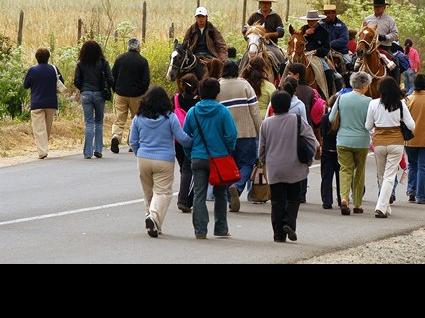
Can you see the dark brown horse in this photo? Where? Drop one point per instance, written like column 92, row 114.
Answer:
column 370, row 59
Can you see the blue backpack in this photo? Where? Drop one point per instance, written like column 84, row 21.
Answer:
column 403, row 60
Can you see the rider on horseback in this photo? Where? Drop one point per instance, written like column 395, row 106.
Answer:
column 318, row 42
column 203, row 39
column 388, row 32
column 273, row 24
column 338, row 32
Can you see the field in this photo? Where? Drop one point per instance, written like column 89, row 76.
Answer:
column 45, row 19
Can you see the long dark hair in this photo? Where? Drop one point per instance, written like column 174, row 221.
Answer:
column 390, row 94
column 290, row 86
column 408, row 45
column 188, row 85
column 255, row 74
column 90, row 53
column 155, row 103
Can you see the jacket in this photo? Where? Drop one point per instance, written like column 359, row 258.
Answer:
column 90, row 77
column 217, row 126
column 417, row 110
column 319, row 41
column 339, row 35
column 131, row 74
column 215, row 41
column 273, row 23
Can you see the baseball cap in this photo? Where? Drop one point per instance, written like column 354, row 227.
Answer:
column 201, row 11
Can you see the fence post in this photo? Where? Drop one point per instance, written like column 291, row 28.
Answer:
column 171, row 32
column 80, row 30
column 21, row 27
column 198, row 3
column 288, row 4
column 244, row 12
column 144, row 22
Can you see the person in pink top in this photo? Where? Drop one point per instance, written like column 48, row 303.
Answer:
column 415, row 66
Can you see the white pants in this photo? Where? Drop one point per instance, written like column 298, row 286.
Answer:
column 388, row 160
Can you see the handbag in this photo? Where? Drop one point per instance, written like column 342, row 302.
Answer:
column 406, row 132
column 60, row 86
column 106, row 90
column 180, row 112
column 305, row 152
column 336, row 123
column 223, row 170
column 260, row 191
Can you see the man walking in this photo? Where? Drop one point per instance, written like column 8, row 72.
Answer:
column 132, row 80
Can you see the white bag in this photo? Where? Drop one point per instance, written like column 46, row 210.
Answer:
column 59, row 85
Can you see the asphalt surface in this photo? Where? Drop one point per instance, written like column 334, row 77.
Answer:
column 71, row 210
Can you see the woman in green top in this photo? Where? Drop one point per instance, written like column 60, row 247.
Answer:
column 353, row 141
column 256, row 75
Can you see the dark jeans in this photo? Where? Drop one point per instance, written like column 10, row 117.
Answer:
column 94, row 110
column 303, row 192
column 245, row 155
column 201, row 173
column 416, row 173
column 186, row 192
column 329, row 168
column 285, row 206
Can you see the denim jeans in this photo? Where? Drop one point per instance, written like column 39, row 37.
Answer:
column 201, row 173
column 245, row 155
column 409, row 81
column 416, row 173
column 94, row 110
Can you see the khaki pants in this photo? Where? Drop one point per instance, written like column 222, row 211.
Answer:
column 352, row 173
column 388, row 160
column 157, row 179
column 122, row 105
column 42, row 121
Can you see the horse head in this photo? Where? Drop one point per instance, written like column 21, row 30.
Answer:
column 368, row 41
column 182, row 61
column 296, row 44
column 255, row 35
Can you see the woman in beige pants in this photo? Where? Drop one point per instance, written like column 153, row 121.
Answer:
column 153, row 132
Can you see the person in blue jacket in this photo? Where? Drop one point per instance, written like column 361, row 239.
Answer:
column 338, row 32
column 219, row 130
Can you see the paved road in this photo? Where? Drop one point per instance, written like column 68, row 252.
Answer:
column 70, row 210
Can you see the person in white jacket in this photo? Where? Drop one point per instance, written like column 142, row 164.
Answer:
column 384, row 117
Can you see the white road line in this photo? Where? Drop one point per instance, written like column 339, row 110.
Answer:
column 73, row 212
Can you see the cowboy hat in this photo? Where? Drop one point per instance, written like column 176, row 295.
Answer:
column 329, row 7
column 380, row 3
column 313, row 15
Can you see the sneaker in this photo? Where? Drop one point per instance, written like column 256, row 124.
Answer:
column 227, row 235
column 290, row 233
column 201, row 236
column 42, row 157
column 380, row 215
column 235, row 203
column 98, row 155
column 115, row 145
column 151, row 227
column 280, row 238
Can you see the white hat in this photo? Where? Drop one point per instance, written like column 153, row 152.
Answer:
column 201, row 11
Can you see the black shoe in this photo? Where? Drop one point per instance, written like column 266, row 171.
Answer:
column 303, row 201
column 393, row 199
column 345, row 210
column 151, row 227
column 280, row 238
column 184, row 208
column 98, row 155
column 130, row 150
column 290, row 233
column 42, row 157
column 327, row 206
column 412, row 198
column 115, row 145
column 358, row 211
column 380, row 215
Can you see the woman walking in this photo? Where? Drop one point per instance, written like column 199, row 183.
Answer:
column 183, row 101
column 214, row 121
column 384, row 116
column 92, row 76
column 42, row 79
column 152, row 139
column 415, row 148
column 353, row 141
column 415, row 67
column 285, row 172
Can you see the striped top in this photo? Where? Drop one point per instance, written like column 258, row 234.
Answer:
column 240, row 99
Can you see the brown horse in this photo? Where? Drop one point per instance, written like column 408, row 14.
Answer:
column 296, row 54
column 370, row 60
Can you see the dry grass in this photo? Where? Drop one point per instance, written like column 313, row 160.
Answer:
column 44, row 18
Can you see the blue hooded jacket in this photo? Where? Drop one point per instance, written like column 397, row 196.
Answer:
column 218, row 127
